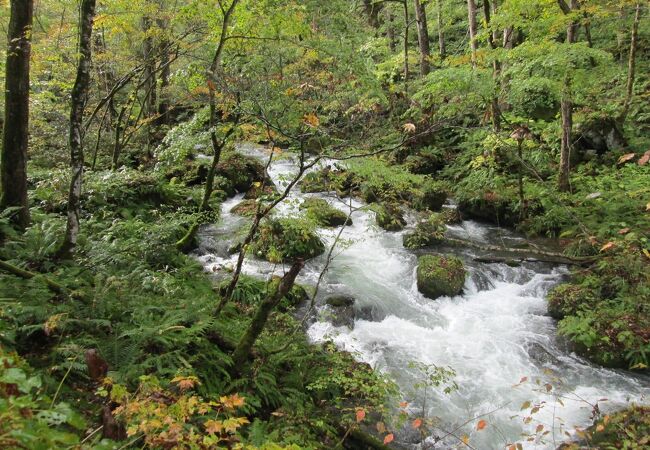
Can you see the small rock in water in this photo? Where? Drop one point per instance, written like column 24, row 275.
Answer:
column 339, row 301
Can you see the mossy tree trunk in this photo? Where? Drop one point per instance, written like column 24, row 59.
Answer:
column 423, row 37
column 631, row 65
column 264, row 310
column 78, row 104
column 471, row 18
column 16, row 121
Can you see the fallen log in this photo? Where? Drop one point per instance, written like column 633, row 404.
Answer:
column 27, row 275
column 527, row 254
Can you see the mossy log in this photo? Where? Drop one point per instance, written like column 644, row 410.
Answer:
column 27, row 275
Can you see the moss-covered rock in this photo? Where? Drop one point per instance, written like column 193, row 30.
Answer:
column 324, row 214
column 389, row 216
column 341, row 311
column 430, row 196
column 282, row 240
column 238, row 173
column 427, row 232
column 440, row 275
column 327, row 180
column 568, row 299
column 246, row 208
column 339, row 301
column 451, row 216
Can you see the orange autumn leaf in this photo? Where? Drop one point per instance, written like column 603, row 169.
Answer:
column 361, row 414
column 481, row 425
column 389, row 438
column 607, row 246
column 644, row 159
column 417, row 423
column 403, row 404
column 625, row 158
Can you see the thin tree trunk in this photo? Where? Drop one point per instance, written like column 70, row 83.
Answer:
column 631, row 65
column 372, row 11
column 471, row 16
column 442, row 47
column 495, row 110
column 264, row 310
column 407, row 26
column 150, row 103
column 423, row 37
column 163, row 105
column 566, row 106
column 16, row 121
column 117, row 146
column 392, row 42
column 78, row 104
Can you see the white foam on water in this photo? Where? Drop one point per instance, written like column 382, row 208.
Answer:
column 491, row 336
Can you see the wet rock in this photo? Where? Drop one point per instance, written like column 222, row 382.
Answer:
column 427, row 232
column 451, row 216
column 339, row 301
column 324, row 214
column 440, row 275
column 246, row 208
column 389, row 216
column 431, row 196
column 283, row 240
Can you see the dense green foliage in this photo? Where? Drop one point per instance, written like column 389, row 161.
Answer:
column 176, row 85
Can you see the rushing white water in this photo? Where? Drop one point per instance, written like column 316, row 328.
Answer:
column 493, row 335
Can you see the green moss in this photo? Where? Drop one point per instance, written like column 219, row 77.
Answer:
column 282, row 240
column 246, row 208
column 427, row 232
column 440, row 275
column 431, row 195
column 568, row 299
column 323, row 214
column 389, row 217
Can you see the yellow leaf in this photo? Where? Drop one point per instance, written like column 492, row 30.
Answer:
column 525, row 405
column 311, row 119
column 381, row 428
column 409, row 128
column 600, row 427
column 465, row 439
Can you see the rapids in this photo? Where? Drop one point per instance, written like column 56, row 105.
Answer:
column 493, row 335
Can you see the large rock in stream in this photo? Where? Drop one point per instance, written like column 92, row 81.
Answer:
column 440, row 275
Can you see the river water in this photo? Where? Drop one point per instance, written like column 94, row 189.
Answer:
column 496, row 336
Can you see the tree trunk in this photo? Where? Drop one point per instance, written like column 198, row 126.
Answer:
column 471, row 15
column 392, row 41
column 163, row 105
column 442, row 47
column 150, row 102
column 372, row 11
column 79, row 97
column 631, row 65
column 16, row 121
column 245, row 345
column 495, row 110
column 423, row 37
column 407, row 26
column 566, row 108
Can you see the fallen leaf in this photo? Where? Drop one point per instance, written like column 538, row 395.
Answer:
column 481, row 424
column 625, row 158
column 607, row 246
column 539, row 428
column 403, row 404
column 381, row 428
column 600, row 427
column 409, row 128
column 312, row 120
column 525, row 405
column 361, row 414
column 417, row 423
column 624, row 231
column 465, row 439
column 389, row 438
column 644, row 159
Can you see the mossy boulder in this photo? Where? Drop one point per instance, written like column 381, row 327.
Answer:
column 257, row 191
column 283, row 240
column 246, row 208
column 389, row 216
column 430, row 196
column 568, row 299
column 324, row 214
column 327, row 179
column 238, row 173
column 427, row 232
column 341, row 311
column 451, row 216
column 491, row 207
column 440, row 275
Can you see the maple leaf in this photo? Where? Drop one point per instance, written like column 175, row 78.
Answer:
column 481, row 425
column 213, row 426
column 389, row 438
column 361, row 414
column 417, row 423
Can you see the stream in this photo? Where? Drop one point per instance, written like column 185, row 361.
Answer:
column 493, row 335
